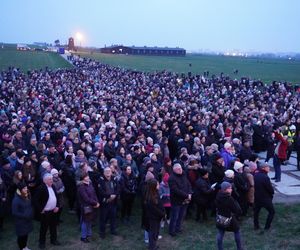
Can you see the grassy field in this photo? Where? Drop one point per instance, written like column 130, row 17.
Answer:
column 283, row 235
column 267, row 70
column 28, row 60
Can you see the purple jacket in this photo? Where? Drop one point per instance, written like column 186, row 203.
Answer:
column 228, row 158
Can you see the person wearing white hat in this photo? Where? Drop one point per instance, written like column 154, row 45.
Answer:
column 242, row 186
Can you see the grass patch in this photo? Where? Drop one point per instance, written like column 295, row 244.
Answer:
column 267, row 70
column 283, row 235
column 29, row 60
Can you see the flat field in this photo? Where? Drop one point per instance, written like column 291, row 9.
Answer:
column 267, row 70
column 29, row 60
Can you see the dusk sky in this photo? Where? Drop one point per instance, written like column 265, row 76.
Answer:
column 216, row 25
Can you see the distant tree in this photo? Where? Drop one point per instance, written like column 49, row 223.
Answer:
column 57, row 42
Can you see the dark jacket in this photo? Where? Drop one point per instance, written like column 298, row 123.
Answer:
column 41, row 198
column 87, row 197
column 263, row 190
column 202, row 192
column 217, row 173
column 104, row 193
column 227, row 206
column 180, row 188
column 155, row 211
column 128, row 185
column 23, row 214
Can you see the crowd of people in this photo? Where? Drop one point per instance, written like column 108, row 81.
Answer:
column 94, row 138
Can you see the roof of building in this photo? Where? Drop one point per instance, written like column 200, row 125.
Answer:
column 144, row 47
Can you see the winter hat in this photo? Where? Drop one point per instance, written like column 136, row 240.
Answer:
column 237, row 166
column 225, row 185
column 150, row 155
column 54, row 171
column 146, row 159
column 252, row 166
column 229, row 173
column 149, row 176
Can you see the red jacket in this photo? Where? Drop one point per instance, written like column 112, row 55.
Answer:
column 282, row 150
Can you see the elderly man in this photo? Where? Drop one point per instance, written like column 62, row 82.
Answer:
column 108, row 194
column 47, row 205
column 180, row 195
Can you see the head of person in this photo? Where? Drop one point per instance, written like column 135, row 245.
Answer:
column 203, row 173
column 226, row 187
column 48, row 179
column 229, row 174
column 22, row 189
column 107, row 173
column 54, row 172
column 264, row 167
column 128, row 170
column 177, row 169
column 238, row 166
column 85, row 178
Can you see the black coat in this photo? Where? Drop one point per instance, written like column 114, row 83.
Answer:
column 104, row 195
column 23, row 214
column 180, row 188
column 227, row 206
column 202, row 192
column 154, row 212
column 128, row 185
column 41, row 198
column 263, row 190
column 217, row 174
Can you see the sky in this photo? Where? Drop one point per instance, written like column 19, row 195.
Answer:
column 209, row 25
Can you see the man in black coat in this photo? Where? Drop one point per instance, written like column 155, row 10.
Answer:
column 108, row 195
column 46, row 206
column 180, row 195
column 263, row 195
column 203, row 194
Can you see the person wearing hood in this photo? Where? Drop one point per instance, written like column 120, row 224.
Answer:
column 203, row 194
column 180, row 195
column 23, row 215
column 228, row 208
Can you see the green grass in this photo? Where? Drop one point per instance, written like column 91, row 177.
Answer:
column 29, row 60
column 283, row 235
column 267, row 70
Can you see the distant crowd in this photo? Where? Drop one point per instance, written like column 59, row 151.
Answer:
column 94, row 138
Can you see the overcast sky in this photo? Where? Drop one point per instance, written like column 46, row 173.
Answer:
column 217, row 25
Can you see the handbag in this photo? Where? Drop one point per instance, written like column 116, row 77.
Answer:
column 87, row 209
column 222, row 221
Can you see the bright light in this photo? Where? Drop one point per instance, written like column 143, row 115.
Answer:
column 79, row 36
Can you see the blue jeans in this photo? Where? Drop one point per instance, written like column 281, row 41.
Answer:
column 237, row 238
column 86, row 229
column 277, row 167
column 177, row 215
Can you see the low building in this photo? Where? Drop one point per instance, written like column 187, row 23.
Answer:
column 150, row 51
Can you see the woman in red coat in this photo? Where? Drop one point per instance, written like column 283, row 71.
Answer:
column 279, row 155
